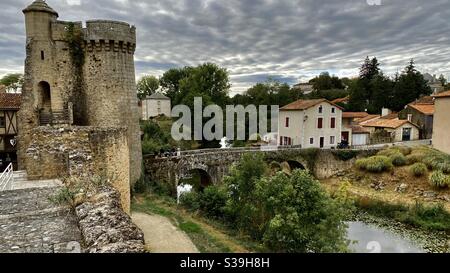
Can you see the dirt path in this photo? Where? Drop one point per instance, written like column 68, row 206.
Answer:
column 161, row 236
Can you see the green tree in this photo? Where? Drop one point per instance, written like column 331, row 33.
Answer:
column 242, row 206
column 303, row 218
column 12, row 81
column 147, row 85
column 326, row 82
column 170, row 80
column 410, row 85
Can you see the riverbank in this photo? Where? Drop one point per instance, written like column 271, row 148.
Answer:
column 428, row 240
column 397, row 213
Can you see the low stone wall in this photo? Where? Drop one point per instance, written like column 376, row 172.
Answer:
column 81, row 151
column 105, row 227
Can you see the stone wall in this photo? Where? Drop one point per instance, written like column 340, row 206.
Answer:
column 58, row 152
column 105, row 227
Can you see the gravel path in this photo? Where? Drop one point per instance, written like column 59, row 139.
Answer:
column 161, row 236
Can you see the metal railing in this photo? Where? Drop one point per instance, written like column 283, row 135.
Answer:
column 6, row 178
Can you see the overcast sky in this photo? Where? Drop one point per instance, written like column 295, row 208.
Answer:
column 285, row 39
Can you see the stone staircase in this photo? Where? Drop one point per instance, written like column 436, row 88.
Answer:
column 30, row 222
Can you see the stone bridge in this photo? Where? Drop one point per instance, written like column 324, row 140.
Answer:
column 214, row 164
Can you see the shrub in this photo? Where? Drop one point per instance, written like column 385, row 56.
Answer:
column 344, row 155
column 414, row 158
column 418, row 169
column 376, row 164
column 300, row 216
column 395, row 150
column 212, row 201
column 439, row 180
column 190, row 200
column 361, row 163
column 398, row 159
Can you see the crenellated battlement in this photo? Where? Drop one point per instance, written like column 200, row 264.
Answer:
column 110, row 45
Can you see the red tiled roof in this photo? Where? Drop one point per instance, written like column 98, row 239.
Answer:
column 357, row 129
column 443, row 94
column 427, row 109
column 305, row 104
column 354, row 114
column 345, row 99
column 10, row 101
column 367, row 118
column 386, row 123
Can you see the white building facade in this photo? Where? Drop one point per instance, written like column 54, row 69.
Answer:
column 310, row 123
column 156, row 105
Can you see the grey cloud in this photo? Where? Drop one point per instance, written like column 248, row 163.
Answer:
column 291, row 40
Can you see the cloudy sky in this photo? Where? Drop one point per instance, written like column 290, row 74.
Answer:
column 288, row 40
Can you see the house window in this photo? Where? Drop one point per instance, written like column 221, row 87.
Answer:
column 409, row 117
column 320, row 109
column 281, row 140
column 2, row 122
column 42, row 55
column 332, row 139
column 287, row 123
column 333, row 110
column 320, row 123
column 311, row 140
column 333, row 122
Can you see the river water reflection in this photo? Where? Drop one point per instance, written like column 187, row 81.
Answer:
column 377, row 240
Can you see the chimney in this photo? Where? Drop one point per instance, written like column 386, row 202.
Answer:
column 385, row 112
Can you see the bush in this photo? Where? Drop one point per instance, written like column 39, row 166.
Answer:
column 375, row 164
column 414, row 158
column 212, row 201
column 439, row 180
column 361, row 163
column 395, row 150
column 190, row 200
column 299, row 215
column 418, row 169
column 398, row 159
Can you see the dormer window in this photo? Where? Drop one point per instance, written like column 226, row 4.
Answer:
column 320, row 109
column 333, row 110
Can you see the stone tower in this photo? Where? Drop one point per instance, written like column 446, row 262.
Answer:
column 77, row 76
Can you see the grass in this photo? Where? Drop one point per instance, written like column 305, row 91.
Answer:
column 404, row 209
column 206, row 236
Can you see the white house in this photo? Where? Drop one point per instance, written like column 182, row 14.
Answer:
column 155, row 105
column 310, row 123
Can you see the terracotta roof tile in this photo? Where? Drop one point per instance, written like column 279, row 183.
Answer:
column 305, row 104
column 386, row 123
column 367, row 118
column 10, row 101
column 339, row 100
column 427, row 109
column 357, row 129
column 354, row 114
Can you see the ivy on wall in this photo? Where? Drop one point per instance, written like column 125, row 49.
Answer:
column 74, row 38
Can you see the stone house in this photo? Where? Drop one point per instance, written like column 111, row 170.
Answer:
column 310, row 123
column 155, row 105
column 391, row 128
column 421, row 113
column 9, row 105
column 441, row 124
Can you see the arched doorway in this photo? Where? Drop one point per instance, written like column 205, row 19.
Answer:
column 44, row 102
column 198, row 178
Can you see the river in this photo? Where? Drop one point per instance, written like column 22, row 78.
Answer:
column 372, row 239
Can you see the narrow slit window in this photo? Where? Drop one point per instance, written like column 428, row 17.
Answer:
column 42, row 55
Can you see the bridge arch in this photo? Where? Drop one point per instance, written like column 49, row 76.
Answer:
column 199, row 178
column 294, row 165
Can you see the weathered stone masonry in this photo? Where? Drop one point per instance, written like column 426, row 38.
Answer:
column 82, row 77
